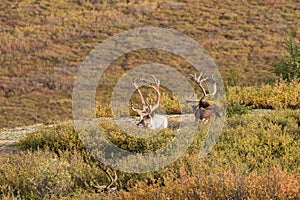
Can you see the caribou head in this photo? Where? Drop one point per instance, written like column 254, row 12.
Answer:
column 204, row 110
column 148, row 118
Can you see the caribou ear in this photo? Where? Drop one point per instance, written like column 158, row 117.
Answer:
column 151, row 114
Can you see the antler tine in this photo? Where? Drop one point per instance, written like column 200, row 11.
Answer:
column 155, row 85
column 199, row 81
column 214, row 82
column 133, row 83
column 193, row 77
column 213, row 78
column 140, row 112
column 149, row 105
column 157, row 81
column 135, row 109
column 133, row 80
column 205, row 78
column 199, row 77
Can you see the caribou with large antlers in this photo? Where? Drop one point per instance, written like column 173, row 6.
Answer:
column 148, row 118
column 205, row 110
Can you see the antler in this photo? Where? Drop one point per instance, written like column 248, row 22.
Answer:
column 199, row 81
column 147, row 107
column 155, row 85
column 143, row 112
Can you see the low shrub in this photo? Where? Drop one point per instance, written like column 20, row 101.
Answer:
column 280, row 95
column 44, row 174
column 235, row 108
column 58, row 138
column 221, row 184
column 253, row 158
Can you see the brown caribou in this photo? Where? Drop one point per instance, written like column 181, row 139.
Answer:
column 204, row 110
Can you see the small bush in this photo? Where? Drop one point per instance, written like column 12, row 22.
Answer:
column 236, row 108
column 289, row 66
column 58, row 138
column 44, row 174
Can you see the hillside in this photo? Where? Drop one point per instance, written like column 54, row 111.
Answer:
column 43, row 43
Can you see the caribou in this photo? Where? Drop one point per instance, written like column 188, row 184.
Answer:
column 204, row 110
column 148, row 118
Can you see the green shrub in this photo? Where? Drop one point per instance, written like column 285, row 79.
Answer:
column 238, row 109
column 259, row 141
column 289, row 66
column 232, row 78
column 44, row 174
column 58, row 138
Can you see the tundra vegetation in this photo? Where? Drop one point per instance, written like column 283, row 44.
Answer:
column 257, row 155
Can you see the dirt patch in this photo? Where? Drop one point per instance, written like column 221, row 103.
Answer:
column 9, row 137
column 7, row 146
